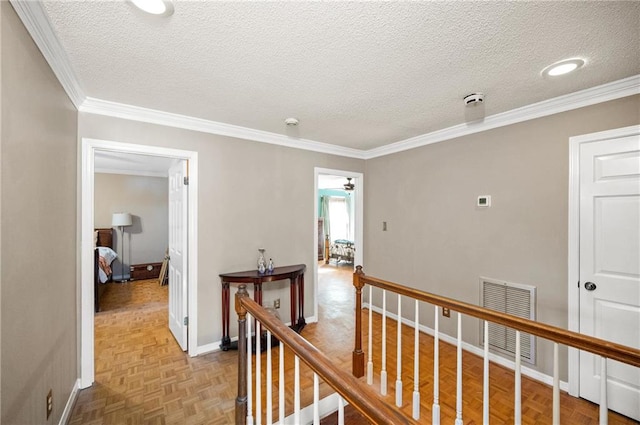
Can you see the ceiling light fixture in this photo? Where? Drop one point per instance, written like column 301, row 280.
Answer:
column 155, row 7
column 563, row 67
column 291, row 122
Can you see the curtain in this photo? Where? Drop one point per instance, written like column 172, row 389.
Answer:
column 324, row 213
column 349, row 205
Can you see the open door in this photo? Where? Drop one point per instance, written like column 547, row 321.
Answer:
column 178, row 321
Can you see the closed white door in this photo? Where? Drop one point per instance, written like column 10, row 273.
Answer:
column 178, row 321
column 610, row 265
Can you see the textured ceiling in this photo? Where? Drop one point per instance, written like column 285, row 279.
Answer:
column 356, row 74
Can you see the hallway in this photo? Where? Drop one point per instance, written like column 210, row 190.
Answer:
column 142, row 377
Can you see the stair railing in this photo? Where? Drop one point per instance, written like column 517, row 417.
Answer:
column 361, row 397
column 605, row 349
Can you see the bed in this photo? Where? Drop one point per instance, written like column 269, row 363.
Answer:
column 342, row 250
column 103, row 257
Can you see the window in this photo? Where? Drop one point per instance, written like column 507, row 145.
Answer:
column 339, row 218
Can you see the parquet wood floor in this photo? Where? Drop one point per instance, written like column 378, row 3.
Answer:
column 142, row 376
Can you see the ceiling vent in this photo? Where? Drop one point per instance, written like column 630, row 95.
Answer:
column 473, row 99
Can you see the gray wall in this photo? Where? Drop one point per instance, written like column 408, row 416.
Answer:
column 2, row 13
column 147, row 199
column 251, row 195
column 38, row 199
column 438, row 241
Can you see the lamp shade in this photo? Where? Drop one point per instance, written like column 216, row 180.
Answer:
column 121, row 219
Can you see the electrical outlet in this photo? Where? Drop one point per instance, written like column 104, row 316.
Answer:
column 276, row 303
column 49, row 403
column 446, row 312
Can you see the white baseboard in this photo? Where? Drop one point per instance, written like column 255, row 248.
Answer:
column 68, row 408
column 209, row 348
column 510, row 364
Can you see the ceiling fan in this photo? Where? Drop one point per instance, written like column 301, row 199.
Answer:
column 348, row 186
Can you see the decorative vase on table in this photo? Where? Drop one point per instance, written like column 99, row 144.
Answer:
column 270, row 267
column 262, row 264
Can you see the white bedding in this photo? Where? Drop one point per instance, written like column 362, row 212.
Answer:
column 109, row 255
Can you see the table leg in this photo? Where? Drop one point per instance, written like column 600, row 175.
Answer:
column 226, row 341
column 257, row 297
column 301, row 321
column 257, row 293
column 293, row 300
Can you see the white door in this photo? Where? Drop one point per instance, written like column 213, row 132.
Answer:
column 178, row 252
column 610, row 260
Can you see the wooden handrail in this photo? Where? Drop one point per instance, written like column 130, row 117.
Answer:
column 594, row 345
column 361, row 397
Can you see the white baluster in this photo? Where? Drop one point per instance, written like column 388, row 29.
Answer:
column 383, row 372
column 340, row 411
column 296, row 390
column 556, row 386
column 485, row 380
column 269, row 382
column 459, row 374
column 370, row 354
column 604, row 409
column 435, row 410
column 316, row 400
column 249, row 373
column 399, row 356
column 281, row 384
column 518, row 384
column 416, row 365
column 258, row 374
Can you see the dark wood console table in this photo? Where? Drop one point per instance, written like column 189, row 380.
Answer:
column 295, row 274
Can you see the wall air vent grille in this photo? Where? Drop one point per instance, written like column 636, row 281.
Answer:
column 515, row 299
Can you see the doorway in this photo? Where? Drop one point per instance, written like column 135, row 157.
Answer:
column 89, row 147
column 604, row 260
column 349, row 215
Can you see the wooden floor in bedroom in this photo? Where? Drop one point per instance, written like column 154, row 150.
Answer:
column 142, row 376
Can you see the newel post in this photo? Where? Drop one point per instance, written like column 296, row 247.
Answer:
column 358, row 354
column 241, row 400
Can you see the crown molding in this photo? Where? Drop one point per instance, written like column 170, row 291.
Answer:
column 591, row 96
column 37, row 23
column 152, row 116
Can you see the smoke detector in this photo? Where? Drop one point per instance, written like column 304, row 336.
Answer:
column 291, row 122
column 473, row 99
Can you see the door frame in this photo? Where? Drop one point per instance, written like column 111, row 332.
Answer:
column 359, row 217
column 573, row 299
column 85, row 284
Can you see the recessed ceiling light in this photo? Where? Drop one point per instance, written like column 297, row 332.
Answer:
column 563, row 67
column 155, row 7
